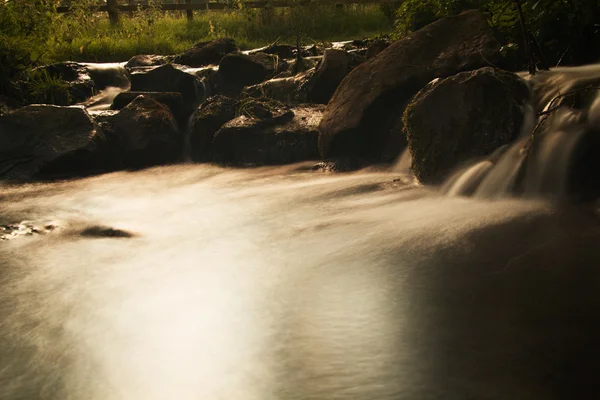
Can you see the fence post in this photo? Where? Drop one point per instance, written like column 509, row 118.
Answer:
column 130, row 3
column 190, row 12
column 113, row 11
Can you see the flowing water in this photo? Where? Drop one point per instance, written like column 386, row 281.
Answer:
column 201, row 282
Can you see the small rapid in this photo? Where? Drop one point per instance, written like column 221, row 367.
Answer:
column 555, row 152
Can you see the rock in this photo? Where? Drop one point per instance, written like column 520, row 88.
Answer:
column 80, row 82
column 77, row 85
column 142, row 134
column 147, row 60
column 207, row 53
column 167, row 78
column 280, row 50
column 468, row 115
column 365, row 106
column 286, row 136
column 237, row 70
column 33, row 137
column 332, row 70
column 288, row 90
column 293, row 68
column 376, row 47
column 174, row 100
column 210, row 117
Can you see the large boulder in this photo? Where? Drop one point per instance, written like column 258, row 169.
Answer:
column 215, row 112
column 238, row 70
column 142, row 134
column 167, row 78
column 265, row 134
column 206, row 53
column 33, row 137
column 455, row 119
column 364, row 108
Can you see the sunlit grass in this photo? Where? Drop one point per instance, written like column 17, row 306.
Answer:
column 172, row 33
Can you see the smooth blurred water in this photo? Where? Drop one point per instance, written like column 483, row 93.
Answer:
column 282, row 283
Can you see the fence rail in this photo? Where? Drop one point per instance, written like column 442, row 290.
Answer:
column 125, row 6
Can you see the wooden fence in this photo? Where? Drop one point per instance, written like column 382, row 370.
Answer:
column 114, row 7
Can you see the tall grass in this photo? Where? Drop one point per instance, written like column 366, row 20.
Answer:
column 158, row 33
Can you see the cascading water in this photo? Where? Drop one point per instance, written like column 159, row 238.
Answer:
column 541, row 163
column 202, row 282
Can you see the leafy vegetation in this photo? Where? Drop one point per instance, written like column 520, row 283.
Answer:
column 33, row 33
column 567, row 31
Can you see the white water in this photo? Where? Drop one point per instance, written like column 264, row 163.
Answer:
column 282, row 283
column 546, row 163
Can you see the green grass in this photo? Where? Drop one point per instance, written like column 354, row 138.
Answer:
column 153, row 33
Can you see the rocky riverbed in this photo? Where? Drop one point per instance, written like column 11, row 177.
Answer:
column 439, row 94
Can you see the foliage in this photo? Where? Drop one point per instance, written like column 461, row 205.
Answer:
column 48, row 89
column 566, row 30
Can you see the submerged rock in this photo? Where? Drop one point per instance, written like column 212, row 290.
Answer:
column 269, row 134
column 366, row 105
column 238, row 70
column 33, row 137
column 468, row 115
column 210, row 117
column 207, row 53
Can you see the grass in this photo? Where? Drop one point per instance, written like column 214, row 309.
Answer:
column 153, row 33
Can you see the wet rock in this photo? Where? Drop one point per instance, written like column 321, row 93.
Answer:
column 332, row 70
column 364, row 108
column 296, row 67
column 468, row 115
column 174, row 100
column 142, row 134
column 210, row 117
column 167, row 78
column 237, row 70
column 288, row 90
column 99, row 231
column 81, row 80
column 77, row 85
column 207, row 53
column 33, row 137
column 278, row 136
column 25, row 228
column 376, row 47
column 148, row 60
